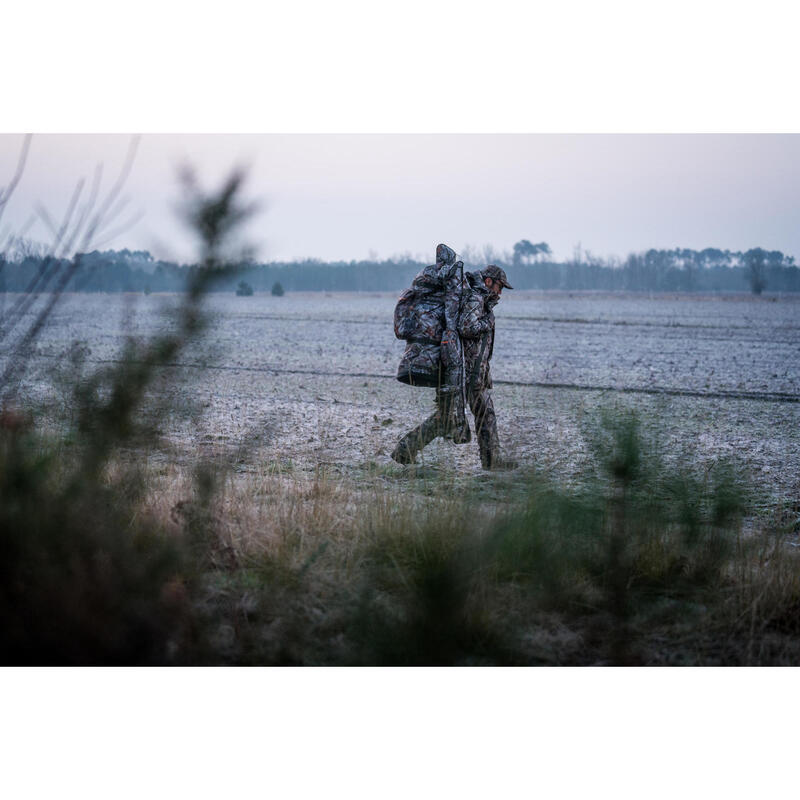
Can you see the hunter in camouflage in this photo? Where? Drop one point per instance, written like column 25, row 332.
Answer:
column 480, row 292
column 476, row 327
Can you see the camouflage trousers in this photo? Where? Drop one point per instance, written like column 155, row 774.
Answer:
column 482, row 407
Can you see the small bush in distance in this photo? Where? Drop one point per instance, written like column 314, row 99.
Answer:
column 277, row 289
column 244, row 289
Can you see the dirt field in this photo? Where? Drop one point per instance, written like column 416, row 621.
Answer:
column 306, row 379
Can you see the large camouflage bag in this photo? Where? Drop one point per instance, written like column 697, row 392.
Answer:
column 426, row 317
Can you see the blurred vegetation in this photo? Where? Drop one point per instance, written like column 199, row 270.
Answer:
column 645, row 563
column 87, row 577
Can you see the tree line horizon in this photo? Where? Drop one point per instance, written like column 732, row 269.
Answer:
column 531, row 267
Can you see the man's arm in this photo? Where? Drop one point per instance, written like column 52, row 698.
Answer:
column 474, row 320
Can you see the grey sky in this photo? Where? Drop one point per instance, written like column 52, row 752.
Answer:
column 342, row 196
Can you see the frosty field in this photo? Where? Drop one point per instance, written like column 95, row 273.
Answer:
column 308, row 379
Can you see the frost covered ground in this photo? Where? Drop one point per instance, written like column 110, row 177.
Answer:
column 308, row 379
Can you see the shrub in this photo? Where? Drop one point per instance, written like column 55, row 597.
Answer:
column 244, row 289
column 641, row 550
column 87, row 576
column 277, row 289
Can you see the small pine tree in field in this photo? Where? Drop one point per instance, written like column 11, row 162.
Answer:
column 244, row 289
column 277, row 289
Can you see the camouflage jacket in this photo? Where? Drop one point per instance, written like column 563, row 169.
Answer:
column 476, row 327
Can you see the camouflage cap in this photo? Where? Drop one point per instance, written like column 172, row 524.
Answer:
column 496, row 274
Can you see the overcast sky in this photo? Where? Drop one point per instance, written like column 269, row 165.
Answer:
column 347, row 196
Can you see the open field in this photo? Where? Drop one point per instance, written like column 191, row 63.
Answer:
column 265, row 522
column 307, row 379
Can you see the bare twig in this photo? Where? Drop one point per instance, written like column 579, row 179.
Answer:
column 13, row 238
column 119, row 207
column 5, row 194
column 113, row 234
column 113, row 194
column 16, row 363
column 88, row 207
column 44, row 274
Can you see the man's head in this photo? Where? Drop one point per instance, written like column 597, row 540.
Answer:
column 495, row 279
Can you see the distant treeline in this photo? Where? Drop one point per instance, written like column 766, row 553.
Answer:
column 678, row 270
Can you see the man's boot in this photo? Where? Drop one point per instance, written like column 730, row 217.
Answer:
column 407, row 448
column 403, row 453
column 490, row 454
column 499, row 462
column 492, row 460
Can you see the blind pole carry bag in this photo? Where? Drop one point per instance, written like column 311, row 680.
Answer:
column 426, row 317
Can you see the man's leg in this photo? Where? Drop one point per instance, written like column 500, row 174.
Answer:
column 486, row 431
column 408, row 447
column 485, row 427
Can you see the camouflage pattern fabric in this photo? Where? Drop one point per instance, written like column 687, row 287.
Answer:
column 482, row 408
column 476, row 329
column 437, row 424
column 426, row 316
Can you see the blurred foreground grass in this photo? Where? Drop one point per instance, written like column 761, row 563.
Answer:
column 138, row 564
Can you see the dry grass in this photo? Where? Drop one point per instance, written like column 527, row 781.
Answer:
column 264, row 563
column 322, row 568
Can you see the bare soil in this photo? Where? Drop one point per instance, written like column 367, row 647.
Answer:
column 308, row 379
